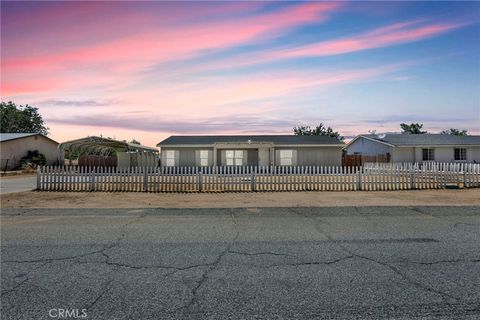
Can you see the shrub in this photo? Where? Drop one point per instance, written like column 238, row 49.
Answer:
column 33, row 158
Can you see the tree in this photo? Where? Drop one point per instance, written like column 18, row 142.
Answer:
column 455, row 132
column 319, row 130
column 21, row 119
column 413, row 128
column 134, row 141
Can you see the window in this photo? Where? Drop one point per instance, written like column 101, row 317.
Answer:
column 170, row 158
column 286, row 157
column 428, row 154
column 204, row 158
column 234, row 157
column 460, row 154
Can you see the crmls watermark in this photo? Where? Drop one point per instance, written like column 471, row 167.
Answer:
column 59, row 313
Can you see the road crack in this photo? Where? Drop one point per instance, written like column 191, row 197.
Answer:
column 395, row 270
column 212, row 267
column 85, row 254
column 262, row 253
column 102, row 292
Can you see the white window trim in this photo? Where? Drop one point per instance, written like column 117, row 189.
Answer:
column 286, row 157
column 170, row 158
column 234, row 157
column 203, row 155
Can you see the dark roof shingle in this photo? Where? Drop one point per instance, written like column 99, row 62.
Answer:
column 425, row 139
column 276, row 139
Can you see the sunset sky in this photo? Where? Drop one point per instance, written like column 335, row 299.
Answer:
column 147, row 70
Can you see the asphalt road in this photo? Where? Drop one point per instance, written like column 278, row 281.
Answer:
column 278, row 263
column 17, row 184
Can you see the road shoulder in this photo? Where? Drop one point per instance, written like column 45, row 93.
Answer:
column 38, row 199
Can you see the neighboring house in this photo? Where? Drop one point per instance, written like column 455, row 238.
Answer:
column 417, row 147
column 259, row 150
column 15, row 146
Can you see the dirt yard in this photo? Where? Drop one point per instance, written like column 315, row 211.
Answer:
column 38, row 199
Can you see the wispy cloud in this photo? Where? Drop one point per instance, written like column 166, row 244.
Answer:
column 389, row 35
column 409, row 118
column 74, row 103
column 226, row 124
column 402, row 78
column 165, row 43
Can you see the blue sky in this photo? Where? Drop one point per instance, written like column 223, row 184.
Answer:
column 147, row 70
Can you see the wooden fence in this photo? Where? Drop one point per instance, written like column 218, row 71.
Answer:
column 224, row 179
column 357, row 160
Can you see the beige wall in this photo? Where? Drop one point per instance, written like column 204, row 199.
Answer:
column 473, row 154
column 403, row 154
column 313, row 156
column 136, row 159
column 14, row 150
column 368, row 147
column 446, row 154
column 442, row 154
column 186, row 157
column 303, row 156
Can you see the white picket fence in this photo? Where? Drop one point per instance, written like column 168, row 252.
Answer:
column 223, row 179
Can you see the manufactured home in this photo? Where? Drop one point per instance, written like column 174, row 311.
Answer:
column 255, row 150
column 417, row 147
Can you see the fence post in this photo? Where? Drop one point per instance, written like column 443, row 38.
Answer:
column 38, row 178
column 92, row 182
column 145, row 179
column 412, row 179
column 254, row 169
column 359, row 179
column 199, row 180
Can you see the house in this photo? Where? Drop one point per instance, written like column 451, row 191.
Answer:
column 96, row 151
column 255, row 150
column 417, row 147
column 15, row 146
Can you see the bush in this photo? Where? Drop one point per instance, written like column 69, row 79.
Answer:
column 34, row 159
column 29, row 167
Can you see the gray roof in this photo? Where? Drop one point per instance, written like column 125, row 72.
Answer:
column 13, row 136
column 276, row 139
column 425, row 139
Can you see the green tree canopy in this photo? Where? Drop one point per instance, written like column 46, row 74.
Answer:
column 21, row 119
column 320, row 130
column 135, row 141
column 455, row 132
column 413, row 128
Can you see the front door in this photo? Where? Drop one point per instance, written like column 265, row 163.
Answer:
column 263, row 156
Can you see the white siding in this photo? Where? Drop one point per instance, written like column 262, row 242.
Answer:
column 368, row 147
column 446, row 154
column 313, row 156
column 403, row 154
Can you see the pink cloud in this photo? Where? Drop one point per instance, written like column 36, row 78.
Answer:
column 381, row 37
column 11, row 88
column 174, row 42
